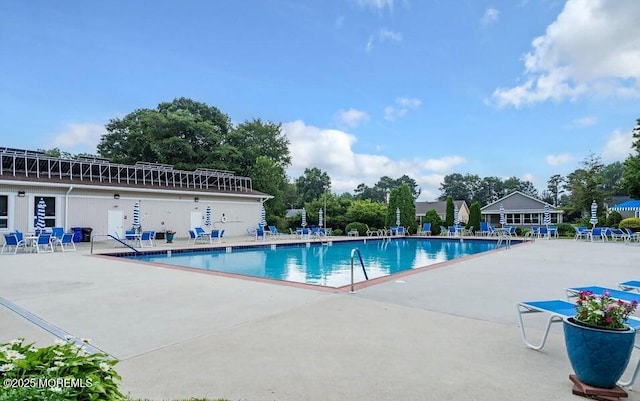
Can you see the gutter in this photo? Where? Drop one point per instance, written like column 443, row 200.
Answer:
column 66, row 207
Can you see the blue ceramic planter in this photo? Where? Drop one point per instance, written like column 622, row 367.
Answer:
column 598, row 357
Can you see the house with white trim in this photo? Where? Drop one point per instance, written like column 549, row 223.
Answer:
column 441, row 208
column 520, row 210
column 95, row 194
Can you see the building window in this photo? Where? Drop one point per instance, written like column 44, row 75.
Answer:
column 4, row 211
column 49, row 210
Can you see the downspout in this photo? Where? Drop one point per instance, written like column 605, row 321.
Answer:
column 66, row 208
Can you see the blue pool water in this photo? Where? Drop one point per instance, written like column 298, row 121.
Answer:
column 321, row 264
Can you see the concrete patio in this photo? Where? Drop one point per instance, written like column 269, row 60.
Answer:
column 445, row 333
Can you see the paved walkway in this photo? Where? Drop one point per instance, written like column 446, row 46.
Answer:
column 446, row 333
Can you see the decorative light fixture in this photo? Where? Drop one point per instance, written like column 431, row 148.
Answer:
column 196, row 199
column 21, row 194
column 116, row 196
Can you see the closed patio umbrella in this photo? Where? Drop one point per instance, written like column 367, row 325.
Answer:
column 547, row 215
column 135, row 224
column 207, row 216
column 397, row 216
column 456, row 218
column 263, row 217
column 320, row 217
column 40, row 214
column 594, row 213
column 503, row 217
column 304, row 218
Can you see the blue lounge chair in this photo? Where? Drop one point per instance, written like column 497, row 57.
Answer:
column 195, row 237
column 558, row 310
column 626, row 296
column 631, row 285
column 597, row 235
column 12, row 244
column 484, row 228
column 273, row 230
column 581, row 233
column 66, row 243
column 425, row 229
column 260, row 233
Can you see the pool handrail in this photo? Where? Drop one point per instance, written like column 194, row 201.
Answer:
column 116, row 239
column 353, row 252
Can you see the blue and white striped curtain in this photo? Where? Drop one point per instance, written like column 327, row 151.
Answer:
column 207, row 216
column 594, row 213
column 397, row 216
column 503, row 217
column 320, row 218
column 547, row 215
column 263, row 217
column 304, row 218
column 456, row 217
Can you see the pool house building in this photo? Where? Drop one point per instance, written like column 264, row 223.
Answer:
column 520, row 210
column 97, row 195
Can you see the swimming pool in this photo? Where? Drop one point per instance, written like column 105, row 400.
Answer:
column 326, row 264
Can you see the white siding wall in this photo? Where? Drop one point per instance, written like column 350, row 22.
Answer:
column 158, row 211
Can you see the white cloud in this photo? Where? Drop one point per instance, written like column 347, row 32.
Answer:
column 387, row 35
column 379, row 5
column 401, row 107
column 617, row 147
column 82, row 137
column 369, row 45
column 555, row 160
column 351, row 117
column 584, row 122
column 593, row 47
column 528, row 177
column 490, row 16
column 332, row 152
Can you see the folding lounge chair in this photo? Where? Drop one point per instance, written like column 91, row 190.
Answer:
column 274, row 232
column 626, row 296
column 631, row 285
column 558, row 310
column 581, row 233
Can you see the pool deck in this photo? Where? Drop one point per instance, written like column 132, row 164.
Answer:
column 449, row 332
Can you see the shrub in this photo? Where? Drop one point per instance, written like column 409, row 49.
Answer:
column 474, row 216
column 63, row 371
column 566, row 229
column 613, row 219
column 360, row 227
column 632, row 223
column 337, row 231
column 432, row 217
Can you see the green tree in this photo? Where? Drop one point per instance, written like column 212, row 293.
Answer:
column 401, row 198
column 256, row 138
column 631, row 169
column 270, row 178
column 367, row 212
column 335, row 213
column 612, row 180
column 554, row 186
column 474, row 216
column 312, row 184
column 183, row 133
column 585, row 185
column 432, row 216
column 460, row 187
column 512, row 184
column 448, row 219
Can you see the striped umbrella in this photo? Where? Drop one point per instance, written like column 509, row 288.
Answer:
column 320, row 217
column 547, row 215
column 304, row 218
column 136, row 216
column 40, row 214
column 263, row 217
column 594, row 213
column 503, row 217
column 397, row 216
column 207, row 216
column 456, row 217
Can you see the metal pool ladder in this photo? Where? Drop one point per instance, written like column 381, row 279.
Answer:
column 353, row 253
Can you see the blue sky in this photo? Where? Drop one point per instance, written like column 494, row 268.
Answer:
column 363, row 88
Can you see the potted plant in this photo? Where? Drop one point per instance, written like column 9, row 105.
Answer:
column 598, row 340
column 169, row 234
